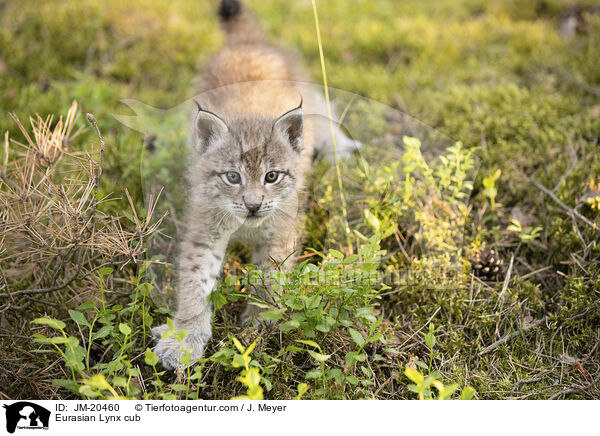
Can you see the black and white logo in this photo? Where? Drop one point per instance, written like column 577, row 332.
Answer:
column 26, row 415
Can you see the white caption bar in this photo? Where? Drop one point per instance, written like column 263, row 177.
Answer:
column 297, row 417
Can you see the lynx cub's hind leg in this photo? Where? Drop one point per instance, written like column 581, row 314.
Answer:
column 322, row 126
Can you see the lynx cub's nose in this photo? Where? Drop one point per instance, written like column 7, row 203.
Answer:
column 252, row 204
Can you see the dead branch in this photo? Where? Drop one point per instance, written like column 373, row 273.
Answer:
column 53, row 236
column 557, row 200
column 509, row 336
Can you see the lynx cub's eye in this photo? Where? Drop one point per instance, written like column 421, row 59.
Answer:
column 232, row 178
column 272, row 176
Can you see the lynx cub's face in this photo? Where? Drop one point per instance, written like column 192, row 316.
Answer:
column 249, row 164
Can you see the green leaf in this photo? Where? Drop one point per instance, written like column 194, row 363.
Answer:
column 352, row 357
column 290, row 325
column 67, row 384
column 178, row 387
column 313, row 373
column 146, row 288
column 323, row 327
column 410, row 141
column 150, row 357
column 422, row 365
column 218, row 299
column 50, row 322
column 185, row 357
column 308, row 332
column 467, row 393
column 143, row 267
column 360, row 357
column 372, row 219
column 87, row 306
column 251, row 347
column 180, row 334
column 337, row 254
column 239, row 361
column 447, row 391
column 98, row 382
column 119, row 381
column 125, row 329
column 293, row 303
column 268, row 385
column 357, row 337
column 74, row 354
column 78, row 317
column 271, row 315
column 336, row 374
column 260, row 305
column 88, row 392
column 309, row 343
column 104, row 271
column 302, row 389
column 237, row 344
column 114, row 366
column 318, row 356
column 253, row 376
column 414, row 375
column 223, row 356
column 350, row 259
column 376, row 337
column 102, row 333
column 352, row 380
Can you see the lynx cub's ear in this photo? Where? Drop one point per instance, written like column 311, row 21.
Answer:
column 208, row 128
column 290, row 126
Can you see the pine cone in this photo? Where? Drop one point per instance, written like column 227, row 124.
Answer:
column 487, row 265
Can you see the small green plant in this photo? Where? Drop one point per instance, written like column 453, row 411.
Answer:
column 302, row 389
column 490, row 191
column 526, row 234
column 430, row 341
column 250, row 376
column 68, row 347
column 120, row 327
column 422, row 384
column 313, row 302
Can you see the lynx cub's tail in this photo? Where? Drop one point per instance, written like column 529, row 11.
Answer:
column 238, row 25
column 241, row 29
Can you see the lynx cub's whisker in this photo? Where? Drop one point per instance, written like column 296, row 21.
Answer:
column 251, row 151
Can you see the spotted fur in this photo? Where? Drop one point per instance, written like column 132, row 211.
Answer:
column 250, row 124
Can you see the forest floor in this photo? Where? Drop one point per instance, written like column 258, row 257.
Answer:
column 503, row 101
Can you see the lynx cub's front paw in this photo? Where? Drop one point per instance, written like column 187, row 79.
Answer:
column 169, row 349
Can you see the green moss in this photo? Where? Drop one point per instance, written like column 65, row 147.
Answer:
column 496, row 76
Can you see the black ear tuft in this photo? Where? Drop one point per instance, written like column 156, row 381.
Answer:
column 208, row 128
column 290, row 125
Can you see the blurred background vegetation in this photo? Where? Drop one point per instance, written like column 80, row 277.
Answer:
column 516, row 79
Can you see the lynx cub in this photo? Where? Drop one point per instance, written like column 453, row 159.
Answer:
column 252, row 150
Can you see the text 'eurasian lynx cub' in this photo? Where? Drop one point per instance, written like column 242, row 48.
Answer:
column 255, row 131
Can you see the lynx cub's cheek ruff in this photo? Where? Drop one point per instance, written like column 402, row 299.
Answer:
column 252, row 149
